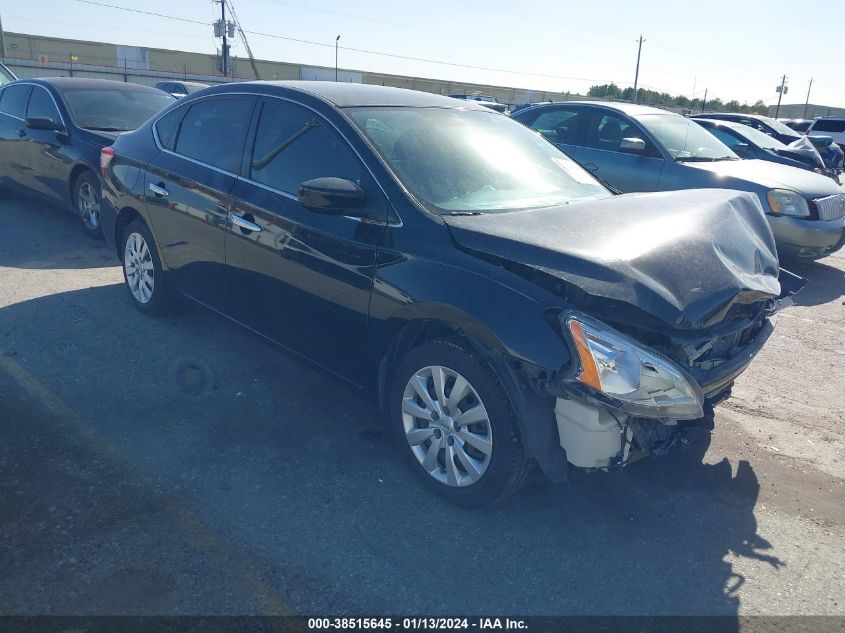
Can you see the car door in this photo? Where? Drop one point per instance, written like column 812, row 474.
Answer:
column 297, row 276
column 48, row 172
column 601, row 152
column 187, row 185
column 13, row 142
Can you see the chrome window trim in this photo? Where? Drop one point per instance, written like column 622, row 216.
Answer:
column 285, row 194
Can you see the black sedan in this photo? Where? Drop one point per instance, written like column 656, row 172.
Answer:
column 747, row 142
column 501, row 305
column 52, row 131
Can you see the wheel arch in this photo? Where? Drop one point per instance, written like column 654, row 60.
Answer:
column 124, row 217
column 75, row 173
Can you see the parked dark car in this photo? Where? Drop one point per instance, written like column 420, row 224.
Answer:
column 485, row 100
column 638, row 148
column 799, row 125
column 746, row 142
column 6, row 75
column 180, row 89
column 499, row 304
column 52, row 131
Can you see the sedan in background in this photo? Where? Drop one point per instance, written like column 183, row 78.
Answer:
column 637, row 148
column 746, row 142
column 485, row 100
column 180, row 89
column 501, row 305
column 52, row 131
column 799, row 125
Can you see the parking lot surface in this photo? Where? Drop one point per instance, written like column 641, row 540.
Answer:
column 180, row 465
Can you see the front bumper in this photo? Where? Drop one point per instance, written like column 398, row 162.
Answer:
column 807, row 239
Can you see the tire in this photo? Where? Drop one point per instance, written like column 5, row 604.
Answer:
column 86, row 203
column 471, row 464
column 143, row 275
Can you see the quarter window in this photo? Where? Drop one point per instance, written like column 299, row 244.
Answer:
column 166, row 127
column 41, row 105
column 214, row 132
column 293, row 145
column 13, row 99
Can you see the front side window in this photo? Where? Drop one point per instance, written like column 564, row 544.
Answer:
column 457, row 161
column 292, row 145
column 13, row 100
column 606, row 132
column 214, row 132
column 41, row 105
column 684, row 139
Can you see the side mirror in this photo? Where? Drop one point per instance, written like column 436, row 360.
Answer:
column 632, row 145
column 43, row 123
column 335, row 196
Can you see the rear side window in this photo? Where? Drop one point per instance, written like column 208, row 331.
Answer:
column 293, row 145
column 559, row 126
column 13, row 100
column 837, row 126
column 214, row 132
column 41, row 105
column 166, row 127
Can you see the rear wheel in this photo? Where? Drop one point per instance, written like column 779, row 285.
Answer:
column 142, row 271
column 86, row 197
column 456, row 424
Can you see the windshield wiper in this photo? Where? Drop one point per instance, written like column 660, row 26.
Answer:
column 702, row 159
column 461, row 213
column 108, row 129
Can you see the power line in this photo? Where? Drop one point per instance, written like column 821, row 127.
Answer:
column 358, row 50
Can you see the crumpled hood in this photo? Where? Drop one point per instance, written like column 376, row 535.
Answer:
column 772, row 175
column 684, row 257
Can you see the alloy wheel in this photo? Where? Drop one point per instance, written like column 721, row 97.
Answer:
column 88, row 204
column 139, row 269
column 447, row 426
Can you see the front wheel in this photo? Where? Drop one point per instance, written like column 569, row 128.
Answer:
column 86, row 198
column 142, row 271
column 455, row 423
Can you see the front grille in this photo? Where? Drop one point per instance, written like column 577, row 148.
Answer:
column 831, row 207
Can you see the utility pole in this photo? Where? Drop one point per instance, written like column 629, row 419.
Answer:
column 336, row 44
column 225, row 55
column 781, row 90
column 704, row 102
column 637, row 73
column 807, row 102
column 2, row 41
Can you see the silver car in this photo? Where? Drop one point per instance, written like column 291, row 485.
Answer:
column 637, row 148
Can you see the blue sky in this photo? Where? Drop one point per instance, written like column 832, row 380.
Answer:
column 736, row 50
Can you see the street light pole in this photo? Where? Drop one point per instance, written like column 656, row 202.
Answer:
column 336, row 40
column 637, row 73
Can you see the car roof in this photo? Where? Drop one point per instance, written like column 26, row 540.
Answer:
column 759, row 117
column 81, row 83
column 632, row 109
column 347, row 94
column 734, row 125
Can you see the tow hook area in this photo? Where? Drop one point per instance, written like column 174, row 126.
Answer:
column 595, row 437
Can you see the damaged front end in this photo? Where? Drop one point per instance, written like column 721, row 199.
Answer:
column 627, row 399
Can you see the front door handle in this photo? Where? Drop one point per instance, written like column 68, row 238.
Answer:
column 159, row 191
column 244, row 223
column 591, row 166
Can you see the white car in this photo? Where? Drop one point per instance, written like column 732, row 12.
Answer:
column 829, row 126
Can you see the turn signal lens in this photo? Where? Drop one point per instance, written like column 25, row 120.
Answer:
column 106, row 156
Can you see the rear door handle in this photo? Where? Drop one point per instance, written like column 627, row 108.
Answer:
column 159, row 191
column 244, row 223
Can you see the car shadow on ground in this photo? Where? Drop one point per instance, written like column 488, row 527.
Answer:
column 298, row 479
column 65, row 245
column 825, row 283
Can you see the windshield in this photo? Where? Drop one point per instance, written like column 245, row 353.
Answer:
column 778, row 127
column 759, row 138
column 473, row 162
column 684, row 139
column 113, row 110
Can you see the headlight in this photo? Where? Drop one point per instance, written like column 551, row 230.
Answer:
column 645, row 383
column 788, row 202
